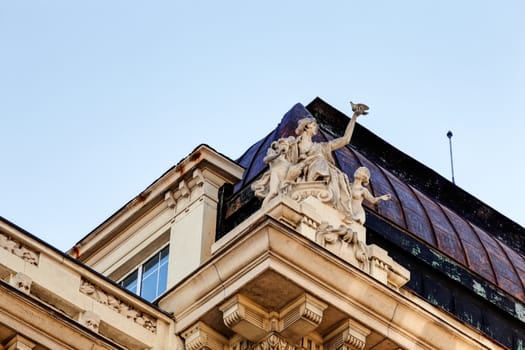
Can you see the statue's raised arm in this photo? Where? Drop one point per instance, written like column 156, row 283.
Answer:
column 307, row 168
column 358, row 109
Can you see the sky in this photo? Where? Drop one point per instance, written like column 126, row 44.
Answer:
column 100, row 98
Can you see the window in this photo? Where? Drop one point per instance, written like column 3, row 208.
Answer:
column 149, row 280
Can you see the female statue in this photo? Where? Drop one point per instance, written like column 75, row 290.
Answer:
column 281, row 174
column 300, row 161
column 319, row 164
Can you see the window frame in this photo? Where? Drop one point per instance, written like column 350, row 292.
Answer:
column 138, row 270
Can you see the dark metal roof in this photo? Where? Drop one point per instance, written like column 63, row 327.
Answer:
column 424, row 205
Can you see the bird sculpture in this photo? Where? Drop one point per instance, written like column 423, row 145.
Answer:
column 359, row 108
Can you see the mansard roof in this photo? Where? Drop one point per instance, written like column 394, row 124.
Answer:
column 434, row 220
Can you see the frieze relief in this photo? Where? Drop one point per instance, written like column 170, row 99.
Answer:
column 14, row 247
column 116, row 305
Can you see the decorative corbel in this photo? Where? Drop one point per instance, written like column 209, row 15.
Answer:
column 198, row 177
column 184, row 189
column 170, row 200
column 203, row 337
column 350, row 335
column 245, row 317
column 301, row 317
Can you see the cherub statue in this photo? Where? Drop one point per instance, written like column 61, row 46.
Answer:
column 360, row 192
column 282, row 172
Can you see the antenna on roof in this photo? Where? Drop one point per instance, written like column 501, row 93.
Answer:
column 449, row 135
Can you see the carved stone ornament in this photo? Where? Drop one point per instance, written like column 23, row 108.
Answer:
column 202, row 337
column 300, row 168
column 350, row 335
column 90, row 320
column 344, row 242
column 122, row 308
column 21, row 282
column 275, row 342
column 252, row 322
column 18, row 249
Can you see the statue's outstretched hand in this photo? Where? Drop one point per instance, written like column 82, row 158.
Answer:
column 386, row 197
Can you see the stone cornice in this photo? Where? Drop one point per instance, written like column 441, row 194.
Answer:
column 41, row 328
column 265, row 244
column 68, row 287
column 202, row 158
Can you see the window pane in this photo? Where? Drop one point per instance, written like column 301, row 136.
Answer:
column 130, row 282
column 163, row 279
column 151, row 264
column 149, row 285
column 164, row 255
column 153, row 277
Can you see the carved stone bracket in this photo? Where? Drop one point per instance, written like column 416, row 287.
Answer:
column 301, row 317
column 184, row 189
column 19, row 343
column 19, row 249
column 202, row 337
column 348, row 336
column 122, row 308
column 21, row 282
column 245, row 317
column 293, row 322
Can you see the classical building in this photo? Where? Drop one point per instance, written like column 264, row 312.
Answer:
column 321, row 236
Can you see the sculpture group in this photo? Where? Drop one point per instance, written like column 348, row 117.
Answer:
column 300, row 167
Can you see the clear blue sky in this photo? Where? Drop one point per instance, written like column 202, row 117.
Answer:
column 99, row 98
